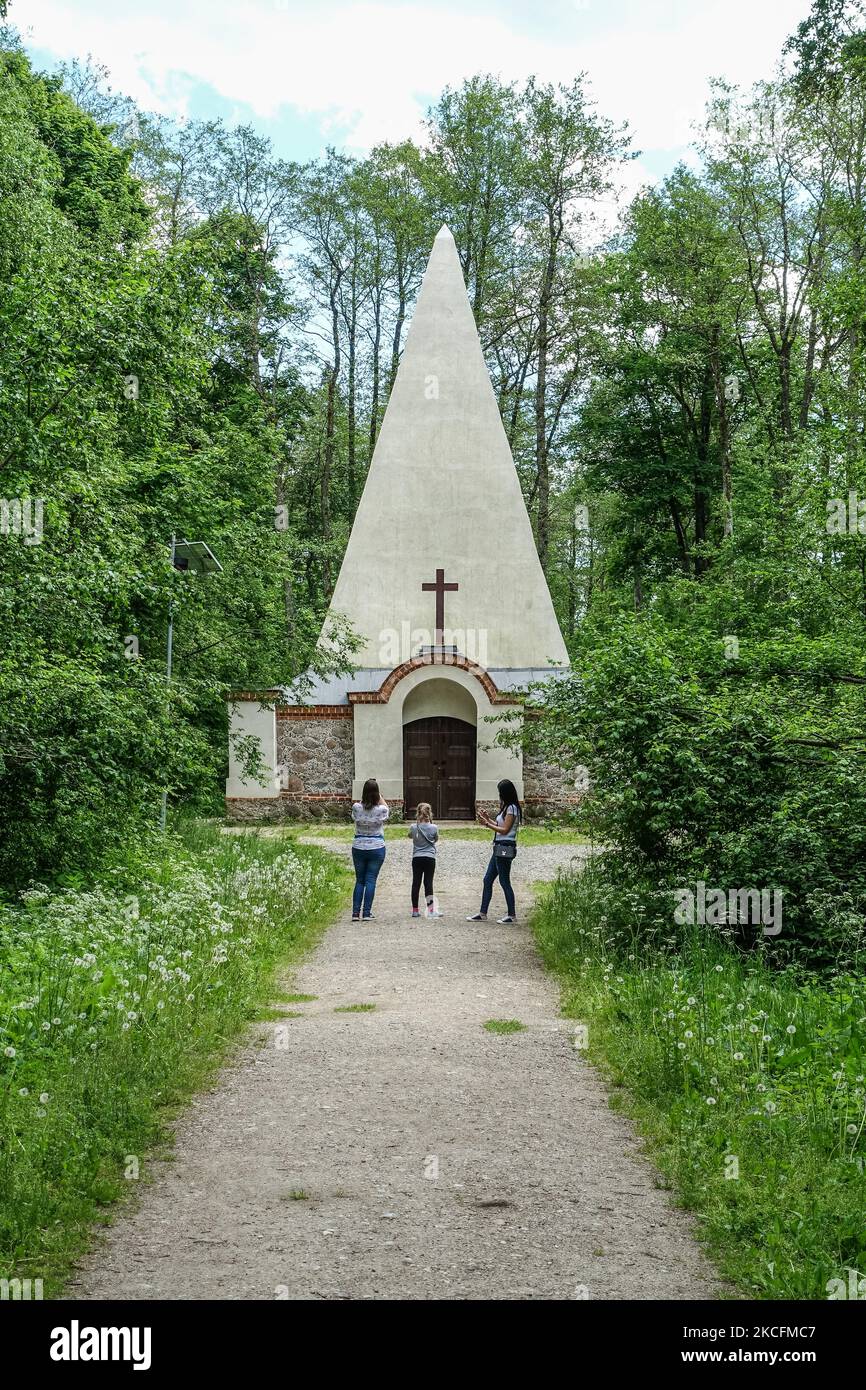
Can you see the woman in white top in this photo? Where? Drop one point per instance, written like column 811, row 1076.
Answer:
column 505, row 826
column 368, row 848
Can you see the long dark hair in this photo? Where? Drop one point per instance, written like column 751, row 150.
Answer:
column 370, row 796
column 508, row 796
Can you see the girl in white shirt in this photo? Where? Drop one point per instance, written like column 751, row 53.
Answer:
column 368, row 848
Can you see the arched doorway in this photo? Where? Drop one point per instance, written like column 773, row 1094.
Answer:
column 439, row 767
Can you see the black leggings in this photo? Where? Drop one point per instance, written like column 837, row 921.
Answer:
column 424, row 866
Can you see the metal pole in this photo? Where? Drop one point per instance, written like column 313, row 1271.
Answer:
column 164, row 808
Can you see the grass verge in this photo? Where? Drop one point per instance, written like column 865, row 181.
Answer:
column 116, row 1005
column 529, row 834
column 747, row 1082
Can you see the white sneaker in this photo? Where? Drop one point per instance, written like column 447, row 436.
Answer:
column 477, row 917
column 435, row 914
column 506, row 921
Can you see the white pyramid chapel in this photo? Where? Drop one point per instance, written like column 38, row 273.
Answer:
column 442, row 584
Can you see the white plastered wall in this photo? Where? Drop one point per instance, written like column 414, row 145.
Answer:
column 442, row 445
column 248, row 717
column 379, row 730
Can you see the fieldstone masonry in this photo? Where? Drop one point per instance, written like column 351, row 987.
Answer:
column 549, row 789
column 316, row 752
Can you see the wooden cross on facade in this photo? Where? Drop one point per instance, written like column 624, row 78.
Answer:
column 439, row 589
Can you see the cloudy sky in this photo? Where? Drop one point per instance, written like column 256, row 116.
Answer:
column 350, row 73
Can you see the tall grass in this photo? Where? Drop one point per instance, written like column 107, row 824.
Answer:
column 748, row 1082
column 114, row 1004
column 529, row 834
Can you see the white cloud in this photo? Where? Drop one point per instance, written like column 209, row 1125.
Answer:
column 368, row 68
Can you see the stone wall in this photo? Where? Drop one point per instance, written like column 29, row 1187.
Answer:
column 316, row 751
column 548, row 789
column 253, row 810
column 263, row 810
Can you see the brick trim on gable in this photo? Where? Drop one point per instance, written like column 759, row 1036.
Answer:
column 315, row 712
column 262, row 697
column 390, row 683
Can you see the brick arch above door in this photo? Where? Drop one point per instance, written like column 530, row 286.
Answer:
column 418, row 663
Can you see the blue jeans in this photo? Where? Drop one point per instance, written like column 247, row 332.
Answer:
column 501, row 869
column 367, row 863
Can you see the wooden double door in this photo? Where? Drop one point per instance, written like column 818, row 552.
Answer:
column 439, row 767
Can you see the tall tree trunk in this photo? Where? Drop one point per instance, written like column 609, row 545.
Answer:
column 401, row 319
column 541, row 459
column 518, row 400
column 288, row 584
column 701, row 484
column 350, row 385
column 377, row 343
column 572, row 577
column 809, row 372
column 785, row 419
column 853, row 395
column 724, row 434
column 330, row 442
column 679, row 531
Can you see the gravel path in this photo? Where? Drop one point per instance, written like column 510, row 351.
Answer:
column 405, row 1152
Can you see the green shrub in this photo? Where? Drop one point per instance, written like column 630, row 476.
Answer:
column 742, row 773
column 749, row 1079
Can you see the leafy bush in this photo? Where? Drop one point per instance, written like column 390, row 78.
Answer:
column 749, row 1080
column 744, row 772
